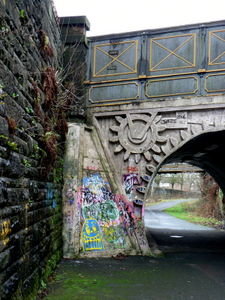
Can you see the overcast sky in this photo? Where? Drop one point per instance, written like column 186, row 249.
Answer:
column 114, row 16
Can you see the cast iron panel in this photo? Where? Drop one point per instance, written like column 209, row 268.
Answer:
column 114, row 92
column 182, row 61
column 172, row 86
column 111, row 60
column 216, row 49
column 215, row 83
column 173, row 54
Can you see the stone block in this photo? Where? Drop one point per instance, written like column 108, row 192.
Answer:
column 4, row 129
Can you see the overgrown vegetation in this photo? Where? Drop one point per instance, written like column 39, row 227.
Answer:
column 209, row 210
column 61, row 92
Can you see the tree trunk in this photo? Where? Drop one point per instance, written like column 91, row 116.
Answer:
column 213, row 203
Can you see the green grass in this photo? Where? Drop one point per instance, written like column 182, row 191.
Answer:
column 187, row 211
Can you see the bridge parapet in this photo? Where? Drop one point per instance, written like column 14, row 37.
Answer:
column 156, row 64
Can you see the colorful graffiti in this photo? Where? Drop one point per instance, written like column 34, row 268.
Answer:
column 114, row 237
column 129, row 180
column 94, row 181
column 126, row 211
column 106, row 212
column 97, row 201
column 92, row 236
column 101, row 214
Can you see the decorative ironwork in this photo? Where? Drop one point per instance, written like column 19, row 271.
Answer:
column 216, row 47
column 122, row 60
column 173, row 52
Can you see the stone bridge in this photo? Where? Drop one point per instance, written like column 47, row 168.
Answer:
column 153, row 97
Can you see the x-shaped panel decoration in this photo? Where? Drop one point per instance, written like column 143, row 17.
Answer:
column 173, row 52
column 216, row 47
column 113, row 59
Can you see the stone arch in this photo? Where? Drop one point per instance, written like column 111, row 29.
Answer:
column 149, row 137
column 204, row 150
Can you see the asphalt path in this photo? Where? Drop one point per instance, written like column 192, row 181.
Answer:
column 156, row 218
column 173, row 234
column 175, row 276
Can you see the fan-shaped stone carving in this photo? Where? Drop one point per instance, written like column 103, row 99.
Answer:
column 138, row 134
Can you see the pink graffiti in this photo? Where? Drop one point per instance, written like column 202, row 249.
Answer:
column 78, row 196
column 126, row 208
column 92, row 168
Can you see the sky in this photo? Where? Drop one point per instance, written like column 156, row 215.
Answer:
column 116, row 16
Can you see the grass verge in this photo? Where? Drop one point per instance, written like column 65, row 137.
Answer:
column 187, row 211
column 159, row 201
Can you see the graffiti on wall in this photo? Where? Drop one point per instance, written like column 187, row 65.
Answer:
column 98, row 204
column 114, row 236
column 134, row 182
column 132, row 169
column 129, row 181
column 92, row 168
column 97, row 201
column 126, row 211
column 92, row 236
column 69, row 217
column 50, row 195
column 97, row 219
column 70, row 191
column 71, row 212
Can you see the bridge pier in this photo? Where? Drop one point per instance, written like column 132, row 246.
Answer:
column 99, row 220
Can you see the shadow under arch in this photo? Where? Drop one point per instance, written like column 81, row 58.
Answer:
column 206, row 151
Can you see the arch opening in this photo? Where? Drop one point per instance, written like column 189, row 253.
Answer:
column 206, row 153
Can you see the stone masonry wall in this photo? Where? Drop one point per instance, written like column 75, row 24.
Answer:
column 30, row 198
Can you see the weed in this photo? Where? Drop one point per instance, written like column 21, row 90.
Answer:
column 12, row 145
column 29, row 110
column 22, row 14
column 15, row 95
column 23, row 17
column 6, row 142
column 26, row 163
